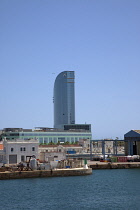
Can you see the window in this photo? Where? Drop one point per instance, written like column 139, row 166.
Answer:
column 55, row 140
column 61, row 139
column 33, row 148
column 45, row 140
column 22, row 149
column 72, row 139
column 22, row 158
column 50, row 139
column 76, row 139
column 14, row 134
column 41, row 140
column 12, row 149
column 68, row 139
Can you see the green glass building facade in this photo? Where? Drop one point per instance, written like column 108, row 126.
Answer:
column 48, row 136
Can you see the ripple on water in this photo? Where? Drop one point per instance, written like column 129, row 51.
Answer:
column 104, row 189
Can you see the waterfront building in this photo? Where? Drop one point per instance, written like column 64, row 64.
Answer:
column 45, row 156
column 132, row 142
column 18, row 150
column 64, row 99
column 107, row 147
column 70, row 133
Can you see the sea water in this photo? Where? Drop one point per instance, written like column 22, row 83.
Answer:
column 104, row 189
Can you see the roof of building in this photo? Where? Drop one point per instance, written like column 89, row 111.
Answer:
column 66, row 145
column 53, row 152
column 137, row 131
column 44, row 145
column 132, row 134
column 1, row 146
column 71, row 145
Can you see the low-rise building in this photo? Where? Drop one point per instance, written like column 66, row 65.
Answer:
column 51, row 156
column 18, row 150
column 132, row 142
column 107, row 146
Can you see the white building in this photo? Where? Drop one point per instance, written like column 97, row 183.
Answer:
column 15, row 151
column 51, row 156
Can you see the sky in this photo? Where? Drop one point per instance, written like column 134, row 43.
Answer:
column 98, row 39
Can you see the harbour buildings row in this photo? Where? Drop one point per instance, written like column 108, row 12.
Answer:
column 15, row 150
column 18, row 150
column 65, row 129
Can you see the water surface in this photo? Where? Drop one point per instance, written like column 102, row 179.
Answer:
column 104, row 189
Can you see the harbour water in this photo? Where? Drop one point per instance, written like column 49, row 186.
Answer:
column 104, row 189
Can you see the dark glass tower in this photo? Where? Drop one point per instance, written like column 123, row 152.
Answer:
column 64, row 99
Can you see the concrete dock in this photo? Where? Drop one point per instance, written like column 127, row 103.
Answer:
column 115, row 165
column 45, row 173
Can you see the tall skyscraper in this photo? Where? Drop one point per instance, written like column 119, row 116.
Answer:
column 64, row 99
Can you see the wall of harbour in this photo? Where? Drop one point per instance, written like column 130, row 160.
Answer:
column 126, row 165
column 45, row 173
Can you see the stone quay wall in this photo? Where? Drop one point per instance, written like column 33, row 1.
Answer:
column 45, row 173
column 114, row 166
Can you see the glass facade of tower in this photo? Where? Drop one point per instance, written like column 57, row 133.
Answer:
column 64, row 99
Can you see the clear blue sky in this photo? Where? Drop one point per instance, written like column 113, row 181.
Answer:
column 98, row 39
